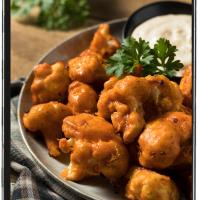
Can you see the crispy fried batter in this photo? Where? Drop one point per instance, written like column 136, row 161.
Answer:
column 94, row 147
column 166, row 141
column 127, row 102
column 152, row 114
column 50, row 82
column 103, row 42
column 87, row 67
column 148, row 185
column 82, row 98
column 47, row 118
column 165, row 93
column 186, row 86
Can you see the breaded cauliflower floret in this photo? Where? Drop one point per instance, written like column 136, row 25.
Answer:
column 148, row 185
column 103, row 42
column 166, row 141
column 186, row 86
column 87, row 67
column 81, row 98
column 47, row 119
column 166, row 94
column 128, row 101
column 50, row 83
column 94, row 148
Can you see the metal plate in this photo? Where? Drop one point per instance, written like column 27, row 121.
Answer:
column 93, row 188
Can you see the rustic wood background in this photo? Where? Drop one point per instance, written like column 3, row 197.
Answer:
column 29, row 43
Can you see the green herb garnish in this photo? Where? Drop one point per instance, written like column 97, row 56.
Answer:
column 53, row 14
column 133, row 53
column 127, row 58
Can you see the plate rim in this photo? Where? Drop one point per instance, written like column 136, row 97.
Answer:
column 124, row 19
column 77, row 192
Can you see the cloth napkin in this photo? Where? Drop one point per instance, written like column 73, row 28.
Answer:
column 32, row 182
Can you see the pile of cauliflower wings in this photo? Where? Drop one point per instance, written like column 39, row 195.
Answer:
column 138, row 129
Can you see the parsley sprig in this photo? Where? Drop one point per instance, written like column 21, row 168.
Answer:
column 53, row 14
column 133, row 53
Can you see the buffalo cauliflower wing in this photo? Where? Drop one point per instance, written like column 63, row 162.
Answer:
column 103, row 42
column 87, row 67
column 166, row 141
column 47, row 119
column 148, row 185
column 94, row 148
column 81, row 98
column 128, row 101
column 50, row 82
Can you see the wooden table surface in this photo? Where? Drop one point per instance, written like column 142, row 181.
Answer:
column 29, row 43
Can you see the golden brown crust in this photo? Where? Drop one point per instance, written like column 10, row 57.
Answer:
column 87, row 67
column 165, row 93
column 96, row 149
column 81, row 98
column 186, row 86
column 50, row 82
column 152, row 114
column 103, row 42
column 166, row 141
column 47, row 118
column 127, row 102
column 148, row 185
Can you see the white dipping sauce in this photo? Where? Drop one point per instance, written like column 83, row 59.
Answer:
column 176, row 28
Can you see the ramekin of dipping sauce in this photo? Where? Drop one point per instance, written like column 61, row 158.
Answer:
column 170, row 20
column 176, row 28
